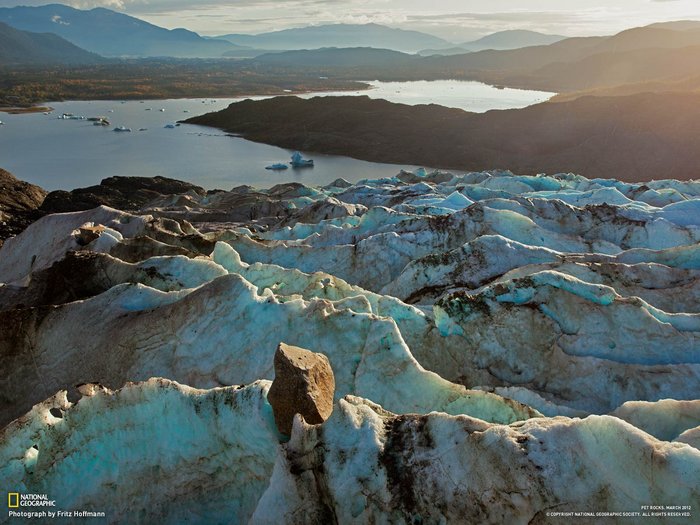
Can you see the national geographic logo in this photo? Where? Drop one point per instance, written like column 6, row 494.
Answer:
column 15, row 500
column 39, row 506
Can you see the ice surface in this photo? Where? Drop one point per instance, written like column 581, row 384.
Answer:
column 503, row 345
column 155, row 451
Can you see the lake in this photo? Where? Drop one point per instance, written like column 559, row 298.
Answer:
column 66, row 154
column 460, row 94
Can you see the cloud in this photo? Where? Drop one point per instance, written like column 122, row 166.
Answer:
column 173, row 5
column 58, row 20
column 567, row 22
column 457, row 20
column 169, row 6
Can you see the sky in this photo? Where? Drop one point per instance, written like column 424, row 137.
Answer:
column 456, row 20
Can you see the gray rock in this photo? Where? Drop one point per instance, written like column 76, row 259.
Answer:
column 304, row 384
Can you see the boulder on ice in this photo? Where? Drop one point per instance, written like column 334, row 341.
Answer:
column 304, row 384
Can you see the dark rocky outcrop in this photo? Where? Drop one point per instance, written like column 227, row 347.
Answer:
column 80, row 275
column 243, row 207
column 329, row 208
column 633, row 138
column 436, row 177
column 18, row 195
column 125, row 193
column 19, row 203
column 304, row 384
column 143, row 247
column 87, row 234
column 338, row 183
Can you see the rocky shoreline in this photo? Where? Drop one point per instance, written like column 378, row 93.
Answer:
column 502, row 347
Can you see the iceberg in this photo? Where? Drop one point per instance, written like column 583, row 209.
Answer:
column 300, row 162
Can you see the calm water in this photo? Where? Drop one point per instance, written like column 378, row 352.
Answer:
column 66, row 154
column 469, row 96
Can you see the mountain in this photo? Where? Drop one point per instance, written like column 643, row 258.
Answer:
column 520, row 60
column 612, row 70
column 112, row 34
column 337, row 58
column 448, row 51
column 340, row 35
column 636, row 55
column 502, row 40
column 512, row 39
column 648, row 38
column 244, row 52
column 632, row 138
column 688, row 84
column 27, row 48
column 678, row 25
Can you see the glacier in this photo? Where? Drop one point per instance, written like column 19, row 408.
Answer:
column 503, row 346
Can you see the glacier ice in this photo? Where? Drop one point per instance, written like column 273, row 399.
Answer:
column 475, row 323
column 154, row 451
column 159, row 451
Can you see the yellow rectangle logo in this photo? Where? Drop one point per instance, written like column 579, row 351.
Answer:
column 13, row 500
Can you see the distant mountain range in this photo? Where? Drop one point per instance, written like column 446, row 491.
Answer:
column 345, row 57
column 26, row 48
column 657, row 57
column 109, row 33
column 511, row 39
column 653, row 58
column 633, row 56
column 340, row 35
